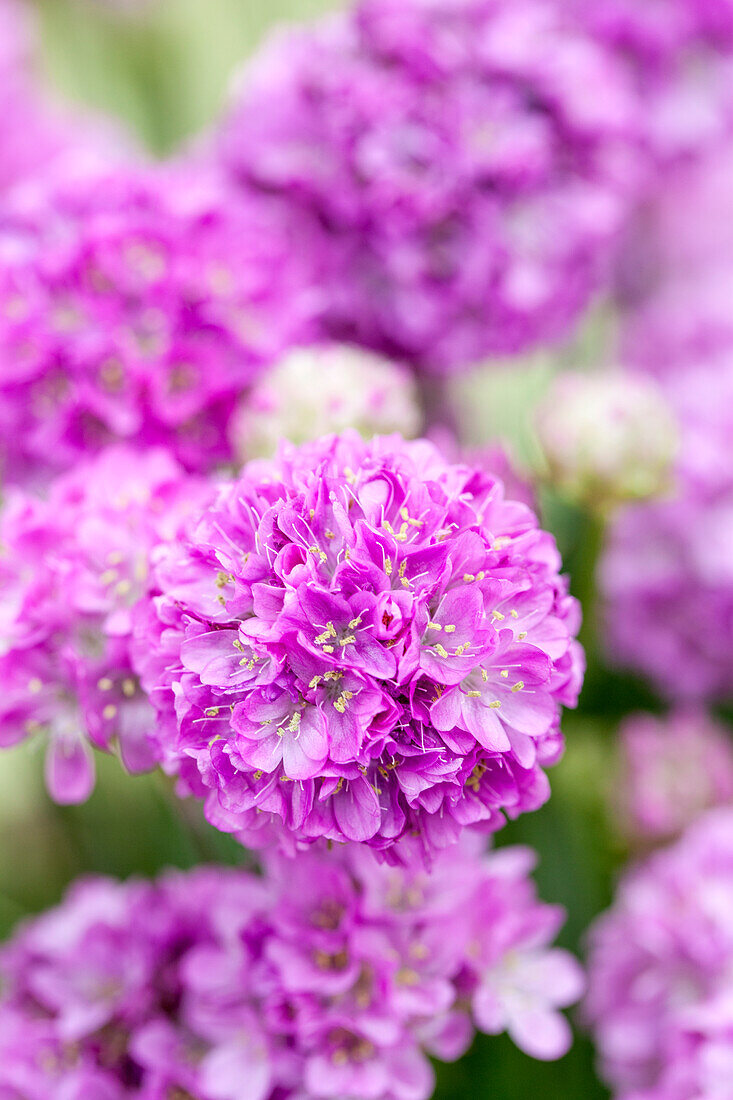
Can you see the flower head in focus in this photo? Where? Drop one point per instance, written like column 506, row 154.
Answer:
column 72, row 567
column 322, row 390
column 360, row 641
column 331, row 975
column 607, row 437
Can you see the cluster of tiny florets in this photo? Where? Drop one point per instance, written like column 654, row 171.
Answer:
column 659, row 971
column 678, row 54
column 138, row 304
column 361, row 641
column 72, row 566
column 672, row 770
column 332, row 977
column 666, row 575
column 471, row 162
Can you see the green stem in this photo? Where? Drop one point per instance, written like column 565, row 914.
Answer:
column 584, row 583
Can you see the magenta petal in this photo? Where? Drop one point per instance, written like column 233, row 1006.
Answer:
column 356, row 809
column 263, row 754
column 238, row 1070
column 485, row 725
column 488, row 1011
column 541, row 1033
column 69, row 770
column 446, row 711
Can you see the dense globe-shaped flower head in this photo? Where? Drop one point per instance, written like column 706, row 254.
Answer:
column 673, row 768
column 72, row 566
column 360, row 641
column 138, row 304
column 659, row 970
column 331, row 977
column 666, row 576
column 471, row 161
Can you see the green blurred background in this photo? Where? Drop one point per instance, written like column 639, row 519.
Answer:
column 164, row 69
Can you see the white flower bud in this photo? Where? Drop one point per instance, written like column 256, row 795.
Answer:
column 607, row 437
column 321, row 390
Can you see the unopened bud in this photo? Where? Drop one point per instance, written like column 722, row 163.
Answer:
column 607, row 437
column 321, row 390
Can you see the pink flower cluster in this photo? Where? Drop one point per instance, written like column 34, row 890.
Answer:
column 673, row 769
column 659, row 971
column 677, row 271
column 138, row 304
column 472, row 161
column 330, row 977
column 73, row 566
column 667, row 575
column 360, row 641
column 679, row 54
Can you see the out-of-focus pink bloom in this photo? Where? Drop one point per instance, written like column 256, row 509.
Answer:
column 672, row 769
column 667, row 575
column 684, row 326
column 472, row 161
column 73, row 566
column 361, row 641
column 676, row 277
column 138, row 304
column 607, row 436
column 322, row 390
column 678, row 53
column 331, row 976
column 659, row 971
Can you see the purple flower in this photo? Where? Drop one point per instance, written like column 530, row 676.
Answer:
column 471, row 161
column 74, row 564
column 330, row 975
column 680, row 243
column 659, row 971
column 666, row 576
column 678, row 53
column 138, row 304
column 672, row 769
column 360, row 641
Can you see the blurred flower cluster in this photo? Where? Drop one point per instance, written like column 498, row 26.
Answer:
column 300, row 426
column 334, row 975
